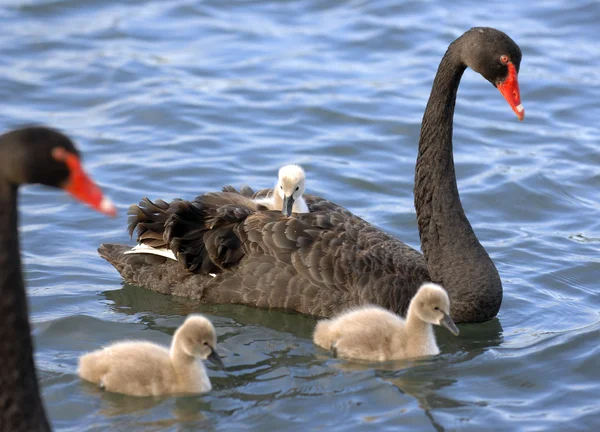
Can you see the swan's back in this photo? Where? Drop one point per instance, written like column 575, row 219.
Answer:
column 317, row 263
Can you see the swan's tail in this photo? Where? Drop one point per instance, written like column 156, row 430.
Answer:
column 149, row 219
column 201, row 233
column 168, row 230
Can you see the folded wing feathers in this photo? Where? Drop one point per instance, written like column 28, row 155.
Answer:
column 245, row 191
column 146, row 212
column 309, row 263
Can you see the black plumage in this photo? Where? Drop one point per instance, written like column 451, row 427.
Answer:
column 27, row 155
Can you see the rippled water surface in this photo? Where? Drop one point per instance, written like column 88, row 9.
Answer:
column 173, row 98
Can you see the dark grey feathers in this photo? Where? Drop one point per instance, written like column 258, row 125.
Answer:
column 317, row 263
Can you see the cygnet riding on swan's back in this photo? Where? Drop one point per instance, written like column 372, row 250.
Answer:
column 287, row 194
column 285, row 197
column 376, row 334
column 140, row 368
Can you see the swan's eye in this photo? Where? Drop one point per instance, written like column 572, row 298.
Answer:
column 436, row 308
column 281, row 187
column 504, row 59
column 297, row 187
column 206, row 343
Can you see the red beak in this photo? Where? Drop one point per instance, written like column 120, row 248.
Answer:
column 84, row 189
column 510, row 90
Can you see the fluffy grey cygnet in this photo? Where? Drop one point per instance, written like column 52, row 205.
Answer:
column 287, row 194
column 376, row 334
column 140, row 368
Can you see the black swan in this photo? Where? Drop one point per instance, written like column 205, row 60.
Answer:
column 325, row 261
column 29, row 155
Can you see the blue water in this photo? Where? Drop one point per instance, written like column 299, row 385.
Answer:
column 172, row 99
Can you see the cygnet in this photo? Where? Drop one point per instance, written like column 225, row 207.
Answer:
column 287, row 194
column 140, row 368
column 376, row 334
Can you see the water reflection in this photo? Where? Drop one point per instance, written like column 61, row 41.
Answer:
column 339, row 87
column 430, row 380
column 152, row 413
column 133, row 300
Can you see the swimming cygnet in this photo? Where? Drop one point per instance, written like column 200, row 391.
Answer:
column 376, row 334
column 287, row 194
column 141, row 368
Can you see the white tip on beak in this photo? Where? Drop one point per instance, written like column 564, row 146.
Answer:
column 108, row 207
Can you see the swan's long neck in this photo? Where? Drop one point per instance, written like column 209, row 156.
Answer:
column 22, row 408
column 180, row 358
column 421, row 339
column 276, row 198
column 189, row 372
column 454, row 256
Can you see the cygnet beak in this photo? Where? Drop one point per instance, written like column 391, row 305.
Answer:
column 215, row 359
column 449, row 324
column 288, row 205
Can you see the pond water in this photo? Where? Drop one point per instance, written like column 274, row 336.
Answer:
column 172, row 99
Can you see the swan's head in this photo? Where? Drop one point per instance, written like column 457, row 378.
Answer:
column 433, row 306
column 198, row 338
column 497, row 58
column 42, row 155
column 290, row 186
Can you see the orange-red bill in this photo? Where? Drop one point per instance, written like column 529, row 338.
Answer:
column 510, row 90
column 84, row 189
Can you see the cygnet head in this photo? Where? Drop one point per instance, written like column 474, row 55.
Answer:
column 290, row 186
column 198, row 338
column 432, row 305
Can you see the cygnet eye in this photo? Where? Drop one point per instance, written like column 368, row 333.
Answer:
column 206, row 343
column 436, row 308
column 297, row 187
column 281, row 187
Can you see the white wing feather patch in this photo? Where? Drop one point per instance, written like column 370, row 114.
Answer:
column 145, row 249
